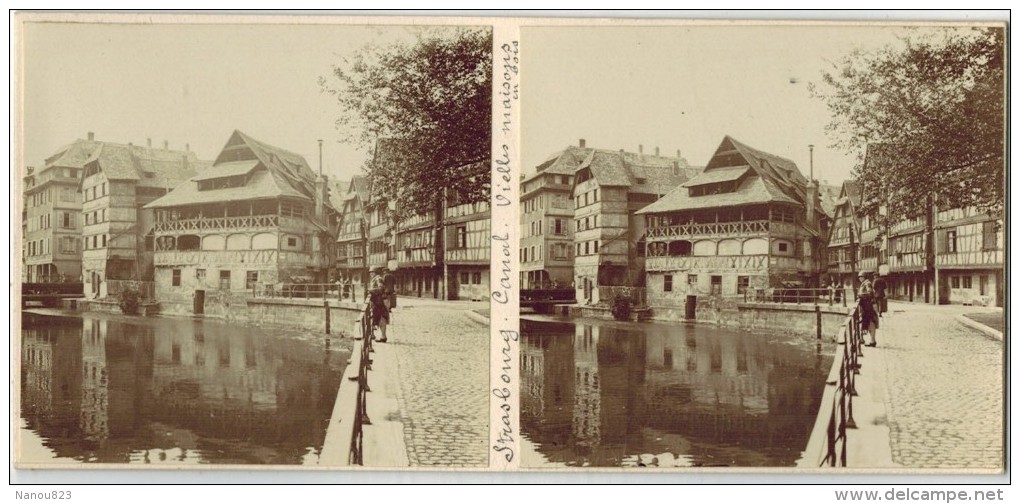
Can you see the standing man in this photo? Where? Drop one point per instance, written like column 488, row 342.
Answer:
column 880, row 299
column 380, row 306
column 389, row 288
column 866, row 304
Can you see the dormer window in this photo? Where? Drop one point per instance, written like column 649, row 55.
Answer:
column 221, row 183
column 708, row 189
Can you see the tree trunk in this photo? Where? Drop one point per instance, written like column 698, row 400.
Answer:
column 439, row 249
column 929, row 250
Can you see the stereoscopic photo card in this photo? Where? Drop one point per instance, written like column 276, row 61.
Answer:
column 644, row 246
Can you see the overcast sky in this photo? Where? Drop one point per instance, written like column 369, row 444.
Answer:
column 685, row 88
column 672, row 87
column 191, row 84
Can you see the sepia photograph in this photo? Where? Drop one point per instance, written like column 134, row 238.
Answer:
column 751, row 245
column 250, row 241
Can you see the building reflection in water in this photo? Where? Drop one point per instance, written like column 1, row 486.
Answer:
column 162, row 390
column 608, row 394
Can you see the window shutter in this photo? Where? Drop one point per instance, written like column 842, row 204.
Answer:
column 989, row 238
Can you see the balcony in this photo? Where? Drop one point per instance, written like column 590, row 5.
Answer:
column 970, row 259
column 842, row 267
column 186, row 257
column 748, row 262
column 218, row 224
column 906, row 261
column 420, row 256
column 739, row 228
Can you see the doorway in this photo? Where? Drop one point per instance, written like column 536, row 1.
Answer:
column 199, row 302
column 691, row 306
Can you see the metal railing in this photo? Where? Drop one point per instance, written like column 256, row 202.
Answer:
column 800, row 295
column 218, row 223
column 711, row 228
column 323, row 291
column 364, row 356
column 841, row 416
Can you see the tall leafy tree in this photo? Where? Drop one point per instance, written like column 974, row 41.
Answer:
column 425, row 108
column 927, row 123
column 933, row 113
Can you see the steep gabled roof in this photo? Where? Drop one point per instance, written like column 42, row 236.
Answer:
column 640, row 173
column 73, row 155
column 852, row 191
column 619, row 168
column 147, row 166
column 287, row 167
column 829, row 196
column 360, row 187
column 564, row 162
column 275, row 173
column 771, row 179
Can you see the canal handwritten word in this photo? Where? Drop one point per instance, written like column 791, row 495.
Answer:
column 502, row 295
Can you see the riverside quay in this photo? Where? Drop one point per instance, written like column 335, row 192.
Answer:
column 679, row 316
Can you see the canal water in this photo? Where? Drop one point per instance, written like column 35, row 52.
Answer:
column 114, row 389
column 611, row 394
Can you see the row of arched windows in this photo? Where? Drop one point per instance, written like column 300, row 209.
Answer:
column 237, row 241
column 727, row 247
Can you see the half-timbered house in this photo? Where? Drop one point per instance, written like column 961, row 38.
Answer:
column 467, row 225
column 351, row 247
column 750, row 220
column 117, row 182
column 257, row 218
column 969, row 256
column 609, row 187
column 844, row 236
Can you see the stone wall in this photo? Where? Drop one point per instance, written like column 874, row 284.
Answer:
column 800, row 319
column 238, row 306
column 733, row 312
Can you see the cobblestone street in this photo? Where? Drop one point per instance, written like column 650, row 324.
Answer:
column 442, row 356
column 945, row 388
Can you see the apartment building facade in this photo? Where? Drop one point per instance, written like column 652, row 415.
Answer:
column 117, row 182
column 609, row 188
column 51, row 220
column 547, row 215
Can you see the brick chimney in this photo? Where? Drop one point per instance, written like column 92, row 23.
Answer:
column 640, row 149
column 91, row 136
column 580, row 143
column 812, row 198
column 656, row 151
column 321, row 193
column 166, row 145
column 148, row 142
